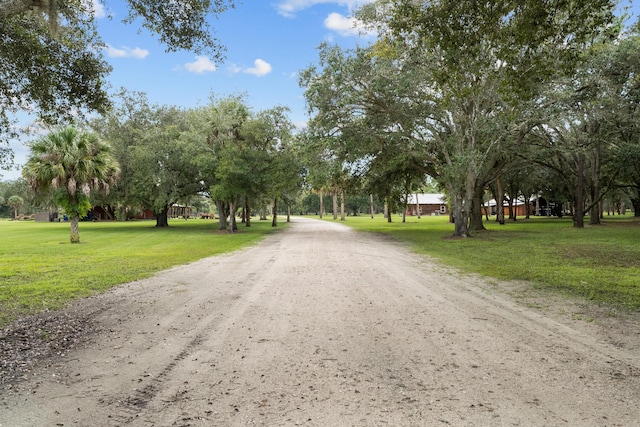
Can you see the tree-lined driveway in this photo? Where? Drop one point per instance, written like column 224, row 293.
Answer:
column 322, row 326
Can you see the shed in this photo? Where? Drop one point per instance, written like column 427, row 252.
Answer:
column 519, row 207
column 427, row 204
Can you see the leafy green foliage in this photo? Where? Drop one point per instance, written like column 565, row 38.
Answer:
column 16, row 203
column 448, row 90
column 246, row 157
column 71, row 163
column 154, row 145
column 74, row 208
column 58, row 75
column 51, row 61
column 181, row 25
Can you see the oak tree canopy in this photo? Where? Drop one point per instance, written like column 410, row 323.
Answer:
column 51, row 61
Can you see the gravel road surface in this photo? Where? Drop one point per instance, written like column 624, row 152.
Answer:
column 322, row 326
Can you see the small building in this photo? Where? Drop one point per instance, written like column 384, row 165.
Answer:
column 180, row 211
column 546, row 207
column 145, row 214
column 427, row 204
column 101, row 213
column 519, row 207
column 45, row 216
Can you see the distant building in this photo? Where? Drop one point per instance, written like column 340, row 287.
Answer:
column 427, row 204
column 519, row 207
column 45, row 216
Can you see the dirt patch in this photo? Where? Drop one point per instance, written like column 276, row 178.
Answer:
column 33, row 341
column 600, row 256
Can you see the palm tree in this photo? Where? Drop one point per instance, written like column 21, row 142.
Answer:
column 16, row 203
column 71, row 163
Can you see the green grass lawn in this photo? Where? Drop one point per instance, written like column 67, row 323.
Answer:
column 600, row 263
column 40, row 269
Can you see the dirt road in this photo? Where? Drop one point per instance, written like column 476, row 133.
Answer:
column 322, row 326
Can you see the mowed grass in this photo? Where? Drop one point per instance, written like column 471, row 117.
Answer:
column 41, row 270
column 600, row 263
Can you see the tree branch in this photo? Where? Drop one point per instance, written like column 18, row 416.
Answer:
column 9, row 8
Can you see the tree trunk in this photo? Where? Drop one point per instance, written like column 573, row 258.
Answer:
column 335, row 204
column 321, row 205
column 371, row 204
column 342, row 217
column 387, row 211
column 476, row 210
column 274, row 219
column 512, row 214
column 601, row 208
column 635, row 202
column 222, row 214
column 288, row 212
column 247, row 214
column 162, row 218
column 486, row 210
column 232, row 226
column 459, row 217
column 578, row 211
column 500, row 202
column 75, row 234
column 417, row 206
column 594, row 188
column 594, row 212
column 404, row 208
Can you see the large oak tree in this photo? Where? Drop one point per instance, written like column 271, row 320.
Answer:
column 51, row 62
column 483, row 61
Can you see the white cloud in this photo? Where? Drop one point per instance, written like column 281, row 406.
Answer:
column 301, row 125
column 94, row 7
column 289, row 8
column 261, row 68
column 234, row 68
column 200, row 65
column 98, row 9
column 344, row 25
column 126, row 52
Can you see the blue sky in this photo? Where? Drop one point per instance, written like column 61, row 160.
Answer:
column 268, row 42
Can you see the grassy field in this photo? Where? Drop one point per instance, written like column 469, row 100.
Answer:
column 40, row 269
column 600, row 263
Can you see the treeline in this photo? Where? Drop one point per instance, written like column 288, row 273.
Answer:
column 513, row 97
column 507, row 99
column 222, row 154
